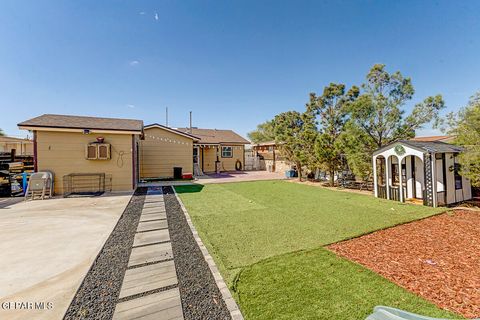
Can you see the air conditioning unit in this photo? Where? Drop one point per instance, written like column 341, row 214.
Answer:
column 97, row 151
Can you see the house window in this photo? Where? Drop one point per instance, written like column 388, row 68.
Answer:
column 227, row 152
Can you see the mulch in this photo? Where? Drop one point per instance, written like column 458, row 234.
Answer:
column 437, row 258
column 201, row 298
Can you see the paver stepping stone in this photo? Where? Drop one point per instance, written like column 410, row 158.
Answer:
column 151, row 237
column 152, row 225
column 152, row 253
column 162, row 305
column 154, row 205
column 147, row 278
column 153, row 210
column 152, row 216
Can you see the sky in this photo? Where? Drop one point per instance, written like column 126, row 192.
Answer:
column 234, row 64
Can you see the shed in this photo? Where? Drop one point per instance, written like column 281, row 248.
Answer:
column 67, row 145
column 420, row 171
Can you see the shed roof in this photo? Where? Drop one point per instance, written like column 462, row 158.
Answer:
column 424, row 146
column 215, row 136
column 176, row 131
column 82, row 122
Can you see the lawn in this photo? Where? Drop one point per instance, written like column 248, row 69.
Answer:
column 267, row 238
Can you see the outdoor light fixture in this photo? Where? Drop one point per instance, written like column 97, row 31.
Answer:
column 86, row 131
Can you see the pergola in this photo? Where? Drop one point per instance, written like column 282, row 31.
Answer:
column 420, row 171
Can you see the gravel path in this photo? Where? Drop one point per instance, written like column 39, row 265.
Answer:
column 97, row 296
column 437, row 258
column 201, row 298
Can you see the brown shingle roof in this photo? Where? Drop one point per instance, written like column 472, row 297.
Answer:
column 215, row 136
column 186, row 134
column 81, row 122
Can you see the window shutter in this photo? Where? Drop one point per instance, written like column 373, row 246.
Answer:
column 104, row 151
column 91, row 152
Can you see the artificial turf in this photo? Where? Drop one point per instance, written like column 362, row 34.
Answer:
column 249, row 227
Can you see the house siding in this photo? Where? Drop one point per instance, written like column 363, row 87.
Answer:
column 64, row 152
column 157, row 157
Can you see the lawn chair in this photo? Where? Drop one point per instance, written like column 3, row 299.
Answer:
column 40, row 185
column 388, row 313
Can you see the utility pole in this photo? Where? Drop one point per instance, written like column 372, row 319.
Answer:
column 166, row 116
column 190, row 122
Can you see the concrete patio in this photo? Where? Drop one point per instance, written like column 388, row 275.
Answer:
column 47, row 247
column 224, row 177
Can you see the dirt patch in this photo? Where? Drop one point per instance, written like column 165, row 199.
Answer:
column 437, row 258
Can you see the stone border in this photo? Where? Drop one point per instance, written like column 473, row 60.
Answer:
column 222, row 286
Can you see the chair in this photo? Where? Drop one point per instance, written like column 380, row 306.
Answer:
column 388, row 313
column 40, row 184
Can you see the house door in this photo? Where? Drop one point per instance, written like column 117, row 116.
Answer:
column 195, row 155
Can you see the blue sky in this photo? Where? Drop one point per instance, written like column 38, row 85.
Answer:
column 233, row 63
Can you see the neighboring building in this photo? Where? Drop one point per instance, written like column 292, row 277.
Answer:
column 22, row 147
column 446, row 139
column 272, row 156
column 222, row 148
column 164, row 148
column 426, row 171
column 82, row 145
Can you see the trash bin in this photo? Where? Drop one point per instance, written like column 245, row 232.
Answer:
column 177, row 172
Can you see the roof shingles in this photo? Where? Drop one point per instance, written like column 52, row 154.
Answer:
column 216, row 136
column 81, row 122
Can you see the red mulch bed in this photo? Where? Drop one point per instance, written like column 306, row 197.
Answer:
column 437, row 258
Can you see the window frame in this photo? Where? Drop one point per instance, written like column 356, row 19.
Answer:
column 223, row 150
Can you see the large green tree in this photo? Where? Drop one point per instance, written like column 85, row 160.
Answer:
column 378, row 117
column 331, row 109
column 263, row 133
column 465, row 126
column 296, row 133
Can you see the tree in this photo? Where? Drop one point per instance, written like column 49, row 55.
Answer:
column 332, row 111
column 465, row 126
column 263, row 133
column 295, row 133
column 1, row 133
column 377, row 116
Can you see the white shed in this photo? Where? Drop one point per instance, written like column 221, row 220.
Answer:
column 409, row 170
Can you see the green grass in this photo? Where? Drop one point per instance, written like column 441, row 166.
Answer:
column 267, row 238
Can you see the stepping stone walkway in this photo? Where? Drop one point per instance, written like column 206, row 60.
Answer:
column 150, row 286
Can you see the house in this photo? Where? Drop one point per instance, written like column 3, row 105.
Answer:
column 76, row 145
column 217, row 150
column 22, row 147
column 163, row 149
column 426, row 171
column 114, row 154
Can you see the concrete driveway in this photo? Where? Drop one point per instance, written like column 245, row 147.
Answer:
column 47, row 247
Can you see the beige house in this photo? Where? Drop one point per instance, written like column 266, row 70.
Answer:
column 68, row 145
column 217, row 150
column 22, row 147
column 163, row 149
column 114, row 154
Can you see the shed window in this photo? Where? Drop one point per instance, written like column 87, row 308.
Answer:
column 458, row 177
column 227, row 152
